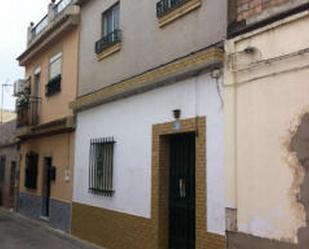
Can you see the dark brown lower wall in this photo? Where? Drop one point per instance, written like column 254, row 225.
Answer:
column 111, row 229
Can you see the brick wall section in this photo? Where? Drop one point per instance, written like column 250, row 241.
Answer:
column 250, row 8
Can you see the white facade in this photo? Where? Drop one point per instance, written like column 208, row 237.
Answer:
column 266, row 96
column 130, row 122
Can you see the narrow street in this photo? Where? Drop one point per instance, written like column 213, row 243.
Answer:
column 17, row 232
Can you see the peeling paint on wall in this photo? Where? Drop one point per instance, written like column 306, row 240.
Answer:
column 296, row 148
column 297, row 172
column 300, row 146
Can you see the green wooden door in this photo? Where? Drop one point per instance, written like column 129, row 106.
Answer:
column 182, row 192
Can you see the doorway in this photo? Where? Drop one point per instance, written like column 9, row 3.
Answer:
column 12, row 191
column 2, row 177
column 182, row 191
column 46, row 186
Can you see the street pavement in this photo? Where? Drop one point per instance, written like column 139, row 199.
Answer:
column 18, row 232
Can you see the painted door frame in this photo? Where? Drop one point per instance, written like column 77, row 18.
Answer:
column 160, row 165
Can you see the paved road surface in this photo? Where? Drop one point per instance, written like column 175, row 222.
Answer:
column 17, row 232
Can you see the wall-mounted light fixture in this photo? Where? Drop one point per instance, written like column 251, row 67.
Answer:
column 177, row 123
column 177, row 113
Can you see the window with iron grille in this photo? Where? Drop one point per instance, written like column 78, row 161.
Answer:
column 31, row 171
column 54, row 79
column 111, row 33
column 166, row 6
column 101, row 166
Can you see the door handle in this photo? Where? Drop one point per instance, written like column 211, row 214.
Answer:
column 182, row 188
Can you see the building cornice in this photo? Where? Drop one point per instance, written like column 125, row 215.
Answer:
column 8, row 144
column 67, row 21
column 54, row 127
column 240, row 28
column 166, row 74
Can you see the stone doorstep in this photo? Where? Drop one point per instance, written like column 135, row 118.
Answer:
column 59, row 233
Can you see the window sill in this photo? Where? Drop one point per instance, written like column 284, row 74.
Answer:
column 109, row 51
column 179, row 12
column 107, row 193
column 48, row 95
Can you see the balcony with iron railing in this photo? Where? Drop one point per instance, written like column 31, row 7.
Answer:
column 166, row 6
column 108, row 41
column 59, row 21
column 108, row 44
column 27, row 110
column 53, row 86
column 31, row 122
column 54, row 10
column 170, row 10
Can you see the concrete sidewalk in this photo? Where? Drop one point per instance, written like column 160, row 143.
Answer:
column 18, row 232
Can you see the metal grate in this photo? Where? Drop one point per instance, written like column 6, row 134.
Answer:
column 31, row 173
column 101, row 166
column 108, row 41
column 166, row 6
column 53, row 86
column 27, row 109
column 62, row 5
column 40, row 27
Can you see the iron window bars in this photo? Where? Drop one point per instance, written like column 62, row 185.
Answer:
column 107, row 41
column 166, row 6
column 101, row 166
column 53, row 86
column 31, row 171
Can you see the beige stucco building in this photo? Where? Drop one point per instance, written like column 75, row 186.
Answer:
column 266, row 126
column 45, row 124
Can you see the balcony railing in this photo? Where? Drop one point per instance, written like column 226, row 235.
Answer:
column 53, row 86
column 166, row 6
column 41, row 25
column 61, row 6
column 27, row 109
column 108, row 41
column 54, row 12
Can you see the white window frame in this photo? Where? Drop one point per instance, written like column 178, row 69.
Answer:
column 52, row 60
column 114, row 11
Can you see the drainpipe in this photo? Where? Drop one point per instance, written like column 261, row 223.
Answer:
column 230, row 139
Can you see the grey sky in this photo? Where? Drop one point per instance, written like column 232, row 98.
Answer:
column 14, row 20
